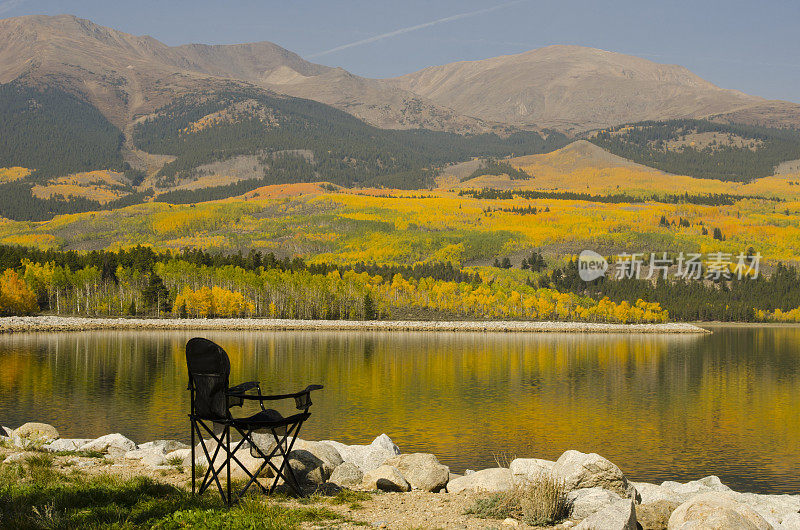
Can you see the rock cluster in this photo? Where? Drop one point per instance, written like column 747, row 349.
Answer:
column 21, row 324
column 600, row 494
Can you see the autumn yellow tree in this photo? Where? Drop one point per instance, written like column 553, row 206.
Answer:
column 16, row 297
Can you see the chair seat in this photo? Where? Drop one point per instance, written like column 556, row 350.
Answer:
column 266, row 419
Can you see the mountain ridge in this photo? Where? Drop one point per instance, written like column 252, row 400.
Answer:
column 563, row 87
column 572, row 88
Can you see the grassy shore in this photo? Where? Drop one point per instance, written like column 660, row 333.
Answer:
column 38, row 493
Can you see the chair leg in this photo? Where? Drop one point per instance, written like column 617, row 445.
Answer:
column 228, row 462
column 283, row 447
column 212, row 473
column 292, row 432
column 191, row 427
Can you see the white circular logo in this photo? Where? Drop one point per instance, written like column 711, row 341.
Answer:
column 591, row 265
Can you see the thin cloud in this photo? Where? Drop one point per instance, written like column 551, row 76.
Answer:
column 9, row 5
column 409, row 29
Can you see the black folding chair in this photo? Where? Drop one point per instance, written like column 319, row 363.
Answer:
column 211, row 401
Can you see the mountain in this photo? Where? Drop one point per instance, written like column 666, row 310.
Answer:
column 573, row 88
column 127, row 76
column 567, row 88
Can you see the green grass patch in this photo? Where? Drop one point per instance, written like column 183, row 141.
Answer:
column 34, row 495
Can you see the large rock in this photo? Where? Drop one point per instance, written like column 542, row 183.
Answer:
column 34, row 434
column 581, row 470
column 422, row 470
column 5, row 432
column 655, row 515
column 676, row 492
column 113, row 444
column 385, row 478
column 587, row 501
column 66, row 445
column 154, row 454
column 773, row 508
column 367, row 457
column 243, row 456
column 621, row 515
column 529, row 469
column 154, row 459
column 312, row 462
column 713, row 511
column 487, row 480
column 790, row 522
column 165, row 446
column 346, row 475
column 184, row 455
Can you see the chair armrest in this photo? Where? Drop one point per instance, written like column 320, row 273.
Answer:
column 243, row 387
column 305, row 392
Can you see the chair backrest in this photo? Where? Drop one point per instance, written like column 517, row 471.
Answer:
column 209, row 371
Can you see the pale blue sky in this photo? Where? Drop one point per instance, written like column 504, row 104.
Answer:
column 746, row 45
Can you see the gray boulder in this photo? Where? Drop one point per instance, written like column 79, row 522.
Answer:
column 715, row 510
column 185, row 456
column 242, row 455
column 367, row 457
column 422, row 470
column 621, row 515
column 113, row 444
column 385, row 478
column 655, row 514
column 790, row 522
column 66, row 444
column 587, row 501
column 530, row 468
column 676, row 492
column 154, row 459
column 773, row 508
column 311, row 467
column 487, row 480
column 165, row 446
column 581, row 470
column 312, row 462
column 346, row 475
column 34, row 434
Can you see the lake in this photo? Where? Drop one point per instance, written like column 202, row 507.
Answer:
column 662, row 407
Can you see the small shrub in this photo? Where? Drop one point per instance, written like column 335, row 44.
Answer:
column 544, row 501
column 176, row 462
column 503, row 459
column 540, row 502
column 40, row 460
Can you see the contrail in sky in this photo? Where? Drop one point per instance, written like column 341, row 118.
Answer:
column 409, row 29
column 9, row 5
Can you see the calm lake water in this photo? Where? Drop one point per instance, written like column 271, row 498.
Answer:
column 659, row 406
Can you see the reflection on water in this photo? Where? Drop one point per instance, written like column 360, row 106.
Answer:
column 661, row 407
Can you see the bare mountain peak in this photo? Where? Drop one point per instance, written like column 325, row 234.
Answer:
column 571, row 87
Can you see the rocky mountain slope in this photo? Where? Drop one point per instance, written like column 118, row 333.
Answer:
column 572, row 88
column 127, row 76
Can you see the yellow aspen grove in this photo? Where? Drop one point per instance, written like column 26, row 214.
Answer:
column 16, row 297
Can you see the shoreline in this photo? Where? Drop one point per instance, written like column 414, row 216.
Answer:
column 596, row 492
column 57, row 323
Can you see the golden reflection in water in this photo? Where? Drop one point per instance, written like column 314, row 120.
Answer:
column 660, row 406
